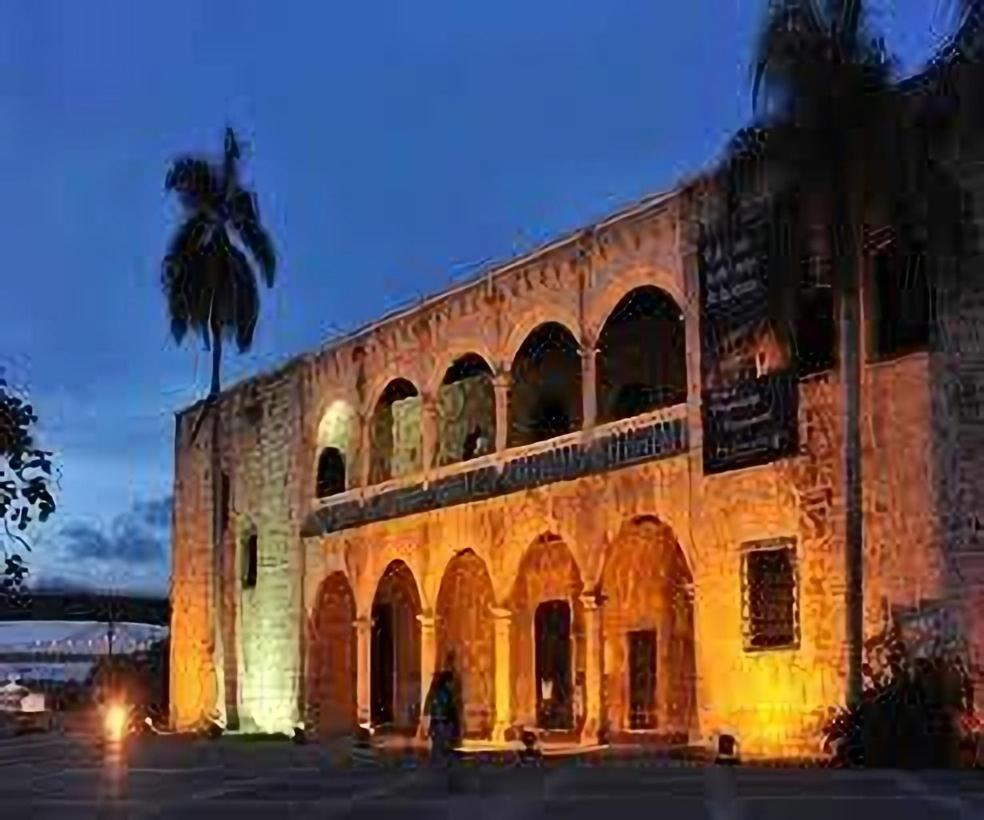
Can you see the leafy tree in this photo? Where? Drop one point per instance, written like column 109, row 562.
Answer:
column 25, row 488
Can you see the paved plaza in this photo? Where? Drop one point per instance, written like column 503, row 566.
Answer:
column 61, row 776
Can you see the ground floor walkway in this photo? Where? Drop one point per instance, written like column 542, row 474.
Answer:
column 583, row 662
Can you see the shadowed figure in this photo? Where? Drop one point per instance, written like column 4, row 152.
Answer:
column 443, row 707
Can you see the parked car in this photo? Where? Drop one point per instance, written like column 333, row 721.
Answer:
column 22, row 710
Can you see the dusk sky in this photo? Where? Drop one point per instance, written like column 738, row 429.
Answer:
column 396, row 147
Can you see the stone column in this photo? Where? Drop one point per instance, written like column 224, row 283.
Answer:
column 593, row 667
column 428, row 666
column 500, row 384
column 429, row 432
column 365, row 439
column 363, row 643
column 589, row 398
column 502, row 621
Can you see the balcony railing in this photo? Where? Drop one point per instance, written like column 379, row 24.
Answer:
column 655, row 435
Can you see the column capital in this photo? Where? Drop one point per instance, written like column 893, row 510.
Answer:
column 362, row 623
column 592, row 600
column 500, row 613
column 587, row 351
column 427, row 620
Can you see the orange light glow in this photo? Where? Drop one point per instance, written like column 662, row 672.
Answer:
column 115, row 721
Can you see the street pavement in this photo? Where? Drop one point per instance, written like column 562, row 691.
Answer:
column 59, row 776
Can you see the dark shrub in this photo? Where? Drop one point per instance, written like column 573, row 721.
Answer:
column 911, row 712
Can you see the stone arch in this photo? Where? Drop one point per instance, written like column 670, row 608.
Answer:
column 395, row 445
column 394, row 687
column 338, row 431
column 465, row 628
column 548, row 575
column 453, row 350
column 527, row 321
column 331, row 663
column 465, row 410
column 621, row 281
column 545, row 397
column 648, row 626
column 641, row 360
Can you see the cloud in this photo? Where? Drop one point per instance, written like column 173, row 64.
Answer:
column 137, row 537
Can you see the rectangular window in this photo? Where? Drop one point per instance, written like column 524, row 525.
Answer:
column 250, row 561
column 226, row 493
column 770, row 607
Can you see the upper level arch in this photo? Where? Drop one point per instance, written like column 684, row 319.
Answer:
column 619, row 284
column 395, row 440
column 641, row 355
column 337, row 445
column 527, row 321
column 465, row 410
column 545, row 397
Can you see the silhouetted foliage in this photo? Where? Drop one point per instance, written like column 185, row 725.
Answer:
column 209, row 272
column 844, row 141
column 25, row 489
column 913, row 711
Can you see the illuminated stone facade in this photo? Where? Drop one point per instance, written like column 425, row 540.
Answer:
column 581, row 551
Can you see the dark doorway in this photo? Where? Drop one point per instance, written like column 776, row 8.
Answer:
column 552, row 634
column 383, row 666
column 642, row 679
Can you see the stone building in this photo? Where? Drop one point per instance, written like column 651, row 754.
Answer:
column 541, row 474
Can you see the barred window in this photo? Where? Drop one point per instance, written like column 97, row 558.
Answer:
column 770, row 612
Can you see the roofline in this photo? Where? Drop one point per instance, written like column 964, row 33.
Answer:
column 491, row 272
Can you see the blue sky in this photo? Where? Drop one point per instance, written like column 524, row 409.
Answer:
column 395, row 146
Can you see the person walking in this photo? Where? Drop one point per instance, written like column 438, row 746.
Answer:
column 443, row 707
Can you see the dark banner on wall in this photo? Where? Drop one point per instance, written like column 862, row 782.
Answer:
column 749, row 396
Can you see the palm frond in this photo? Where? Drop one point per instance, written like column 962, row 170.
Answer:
column 793, row 28
column 191, row 237
column 245, row 219
column 231, row 147
column 194, row 181
column 245, row 300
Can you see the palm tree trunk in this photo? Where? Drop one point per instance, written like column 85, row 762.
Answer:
column 850, row 383
column 217, row 527
column 213, row 391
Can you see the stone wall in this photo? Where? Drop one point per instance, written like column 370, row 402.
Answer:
column 774, row 700
column 192, row 685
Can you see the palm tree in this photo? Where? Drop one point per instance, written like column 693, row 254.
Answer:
column 210, row 268
column 824, row 91
column 210, row 282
